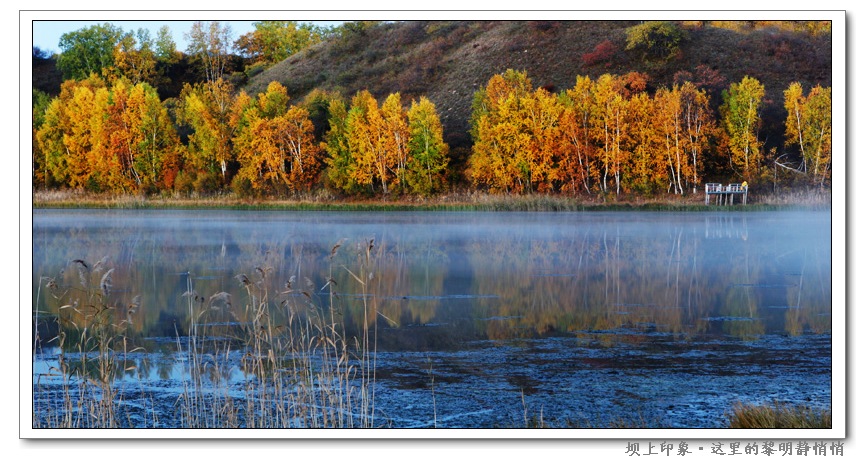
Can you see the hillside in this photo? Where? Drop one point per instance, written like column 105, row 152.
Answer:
column 448, row 61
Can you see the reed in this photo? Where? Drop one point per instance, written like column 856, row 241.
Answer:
column 92, row 352
column 297, row 364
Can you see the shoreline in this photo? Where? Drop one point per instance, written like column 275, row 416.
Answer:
column 478, row 202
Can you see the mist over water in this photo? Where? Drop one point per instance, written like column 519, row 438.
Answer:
column 540, row 305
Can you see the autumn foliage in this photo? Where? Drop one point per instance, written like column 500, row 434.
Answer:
column 609, row 135
column 274, row 142
column 606, row 135
column 103, row 138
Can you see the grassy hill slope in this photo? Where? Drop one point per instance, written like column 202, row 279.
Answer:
column 448, row 61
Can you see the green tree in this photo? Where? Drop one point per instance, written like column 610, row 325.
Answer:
column 206, row 109
column 165, row 47
column 740, row 113
column 274, row 41
column 88, row 50
column 427, row 150
column 655, row 39
column 41, row 101
column 339, row 157
column 317, row 102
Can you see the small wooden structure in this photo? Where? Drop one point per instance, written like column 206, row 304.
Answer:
column 726, row 194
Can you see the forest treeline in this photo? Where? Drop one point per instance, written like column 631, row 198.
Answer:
column 109, row 130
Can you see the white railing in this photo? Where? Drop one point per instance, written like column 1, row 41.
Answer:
column 726, row 193
column 731, row 188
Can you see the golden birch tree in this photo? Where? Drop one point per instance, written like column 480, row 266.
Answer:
column 609, row 128
column 395, row 139
column 699, row 127
column 368, row 143
column 578, row 150
column 809, row 127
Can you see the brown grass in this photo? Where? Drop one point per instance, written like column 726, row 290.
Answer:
column 779, row 416
column 455, row 201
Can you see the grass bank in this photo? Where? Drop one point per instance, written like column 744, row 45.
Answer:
column 481, row 202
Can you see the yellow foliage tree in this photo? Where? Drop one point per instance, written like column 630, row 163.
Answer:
column 809, row 127
column 517, row 136
column 395, row 139
column 369, row 144
column 609, row 129
column 645, row 165
column 70, row 130
column 700, row 128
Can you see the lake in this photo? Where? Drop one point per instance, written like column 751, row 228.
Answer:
column 428, row 319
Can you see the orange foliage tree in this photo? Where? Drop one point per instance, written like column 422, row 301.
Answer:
column 139, row 137
column 107, row 139
column 274, row 142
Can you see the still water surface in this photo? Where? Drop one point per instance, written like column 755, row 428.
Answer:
column 485, row 319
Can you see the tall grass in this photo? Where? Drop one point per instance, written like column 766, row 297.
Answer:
column 778, row 416
column 276, row 359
